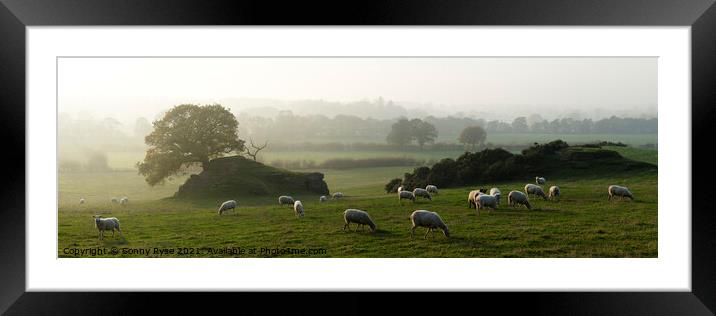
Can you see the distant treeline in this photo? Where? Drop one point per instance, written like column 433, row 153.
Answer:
column 287, row 127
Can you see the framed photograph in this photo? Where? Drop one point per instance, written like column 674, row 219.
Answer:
column 470, row 147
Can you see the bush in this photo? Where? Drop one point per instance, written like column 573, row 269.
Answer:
column 393, row 185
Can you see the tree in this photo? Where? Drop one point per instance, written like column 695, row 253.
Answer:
column 188, row 134
column 142, row 127
column 423, row 132
column 400, row 133
column 256, row 149
column 473, row 135
column 519, row 125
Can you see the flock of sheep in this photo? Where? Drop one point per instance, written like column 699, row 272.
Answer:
column 477, row 199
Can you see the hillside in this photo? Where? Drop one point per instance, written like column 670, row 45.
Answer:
column 229, row 177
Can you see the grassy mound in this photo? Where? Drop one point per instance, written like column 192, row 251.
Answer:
column 229, row 177
column 555, row 158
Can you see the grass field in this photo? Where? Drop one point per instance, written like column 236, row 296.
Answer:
column 582, row 224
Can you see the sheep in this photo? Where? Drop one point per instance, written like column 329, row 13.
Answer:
column 285, row 199
column 621, row 192
column 359, row 217
column 430, row 220
column 420, row 192
column 472, row 198
column 405, row 195
column 226, row 206
column 298, row 208
column 114, row 200
column 337, row 195
column 123, row 201
column 540, row 180
column 103, row 224
column 82, row 201
column 322, row 199
column 496, row 192
column 535, row 189
column 431, row 189
column 517, row 197
column 554, row 192
column 485, row 200
column 400, row 188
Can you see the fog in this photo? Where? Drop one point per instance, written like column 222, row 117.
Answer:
column 488, row 88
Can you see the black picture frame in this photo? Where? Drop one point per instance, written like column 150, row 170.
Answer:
column 15, row 15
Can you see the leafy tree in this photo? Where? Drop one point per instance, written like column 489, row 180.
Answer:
column 142, row 127
column 401, row 133
column 423, row 132
column 188, row 134
column 519, row 125
column 473, row 135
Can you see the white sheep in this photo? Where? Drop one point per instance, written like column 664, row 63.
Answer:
column 540, row 180
column 428, row 219
column 359, row 217
column 322, row 199
column 298, row 208
column 554, row 192
column 431, row 189
column 114, row 200
column 103, row 224
column 621, row 192
column 407, row 195
column 420, row 192
column 485, row 200
column 517, row 197
column 472, row 198
column 226, row 206
column 123, row 201
column 285, row 199
column 82, row 201
column 496, row 192
column 535, row 189
column 337, row 195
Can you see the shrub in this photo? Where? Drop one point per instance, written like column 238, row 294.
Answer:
column 393, row 185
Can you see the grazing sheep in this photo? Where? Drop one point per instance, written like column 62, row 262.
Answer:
column 406, row 195
column 484, row 200
column 285, row 199
column 540, row 180
column 322, row 199
column 428, row 219
column 535, row 189
column 337, row 195
column 517, row 197
column 420, row 192
column 123, row 201
column 431, row 189
column 359, row 217
column 621, row 192
column 114, row 200
column 226, row 206
column 553, row 192
column 103, row 224
column 496, row 192
column 472, row 198
column 298, row 208
column 82, row 201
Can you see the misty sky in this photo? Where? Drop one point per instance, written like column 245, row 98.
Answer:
column 126, row 88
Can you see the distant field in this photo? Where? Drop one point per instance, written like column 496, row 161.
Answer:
column 127, row 160
column 646, row 155
column 582, row 224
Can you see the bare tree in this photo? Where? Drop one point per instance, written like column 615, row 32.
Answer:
column 256, row 148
